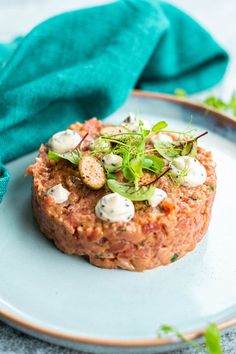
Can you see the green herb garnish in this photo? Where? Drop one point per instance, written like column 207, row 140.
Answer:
column 138, row 155
column 212, row 339
column 129, row 192
column 159, row 126
column 174, row 258
column 73, row 156
column 153, row 163
column 211, row 335
column 211, row 188
column 193, row 198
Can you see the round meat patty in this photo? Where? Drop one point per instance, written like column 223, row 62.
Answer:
column 155, row 236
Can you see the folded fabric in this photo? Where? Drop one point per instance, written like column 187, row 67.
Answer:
column 84, row 63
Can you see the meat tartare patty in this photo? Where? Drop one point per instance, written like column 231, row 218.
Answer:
column 154, row 236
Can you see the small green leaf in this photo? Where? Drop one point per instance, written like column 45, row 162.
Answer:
column 147, row 163
column 190, row 149
column 211, row 188
column 212, row 339
column 174, row 258
column 136, row 166
column 153, row 163
column 128, row 174
column 215, row 102
column 111, row 175
column 168, row 150
column 73, row 156
column 159, row 126
column 143, row 193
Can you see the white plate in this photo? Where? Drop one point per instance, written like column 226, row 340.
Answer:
column 66, row 300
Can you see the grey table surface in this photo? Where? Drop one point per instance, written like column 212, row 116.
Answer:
column 18, row 17
column 15, row 342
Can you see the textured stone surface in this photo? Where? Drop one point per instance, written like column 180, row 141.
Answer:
column 15, row 342
column 18, row 17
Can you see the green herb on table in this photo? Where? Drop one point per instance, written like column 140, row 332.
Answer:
column 214, row 101
column 217, row 103
column 211, row 336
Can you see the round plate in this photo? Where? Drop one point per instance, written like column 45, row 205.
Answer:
column 67, row 301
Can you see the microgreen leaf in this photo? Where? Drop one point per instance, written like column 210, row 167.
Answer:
column 136, row 166
column 211, row 334
column 73, row 156
column 174, row 258
column 111, row 175
column 211, row 188
column 168, row 150
column 143, row 193
column 159, row 126
column 153, row 163
column 215, row 102
column 190, row 149
column 212, row 339
column 167, row 330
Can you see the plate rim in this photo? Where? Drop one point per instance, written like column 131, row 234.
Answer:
column 27, row 325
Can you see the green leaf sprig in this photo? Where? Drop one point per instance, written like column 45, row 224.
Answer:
column 131, row 146
column 211, row 335
column 73, row 156
column 217, row 103
column 172, row 150
column 129, row 192
column 214, row 101
column 137, row 155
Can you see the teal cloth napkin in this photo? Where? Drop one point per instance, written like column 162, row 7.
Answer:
column 84, row 63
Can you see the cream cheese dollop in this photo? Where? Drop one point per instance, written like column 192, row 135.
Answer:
column 112, row 162
column 132, row 123
column 64, row 141
column 114, row 208
column 195, row 173
column 161, row 137
column 157, row 197
column 59, row 193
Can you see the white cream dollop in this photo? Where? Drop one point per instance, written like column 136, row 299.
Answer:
column 59, row 193
column 64, row 141
column 195, row 172
column 112, row 162
column 132, row 123
column 157, row 197
column 162, row 137
column 114, row 208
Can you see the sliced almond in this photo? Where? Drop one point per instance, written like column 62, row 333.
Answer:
column 92, row 172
